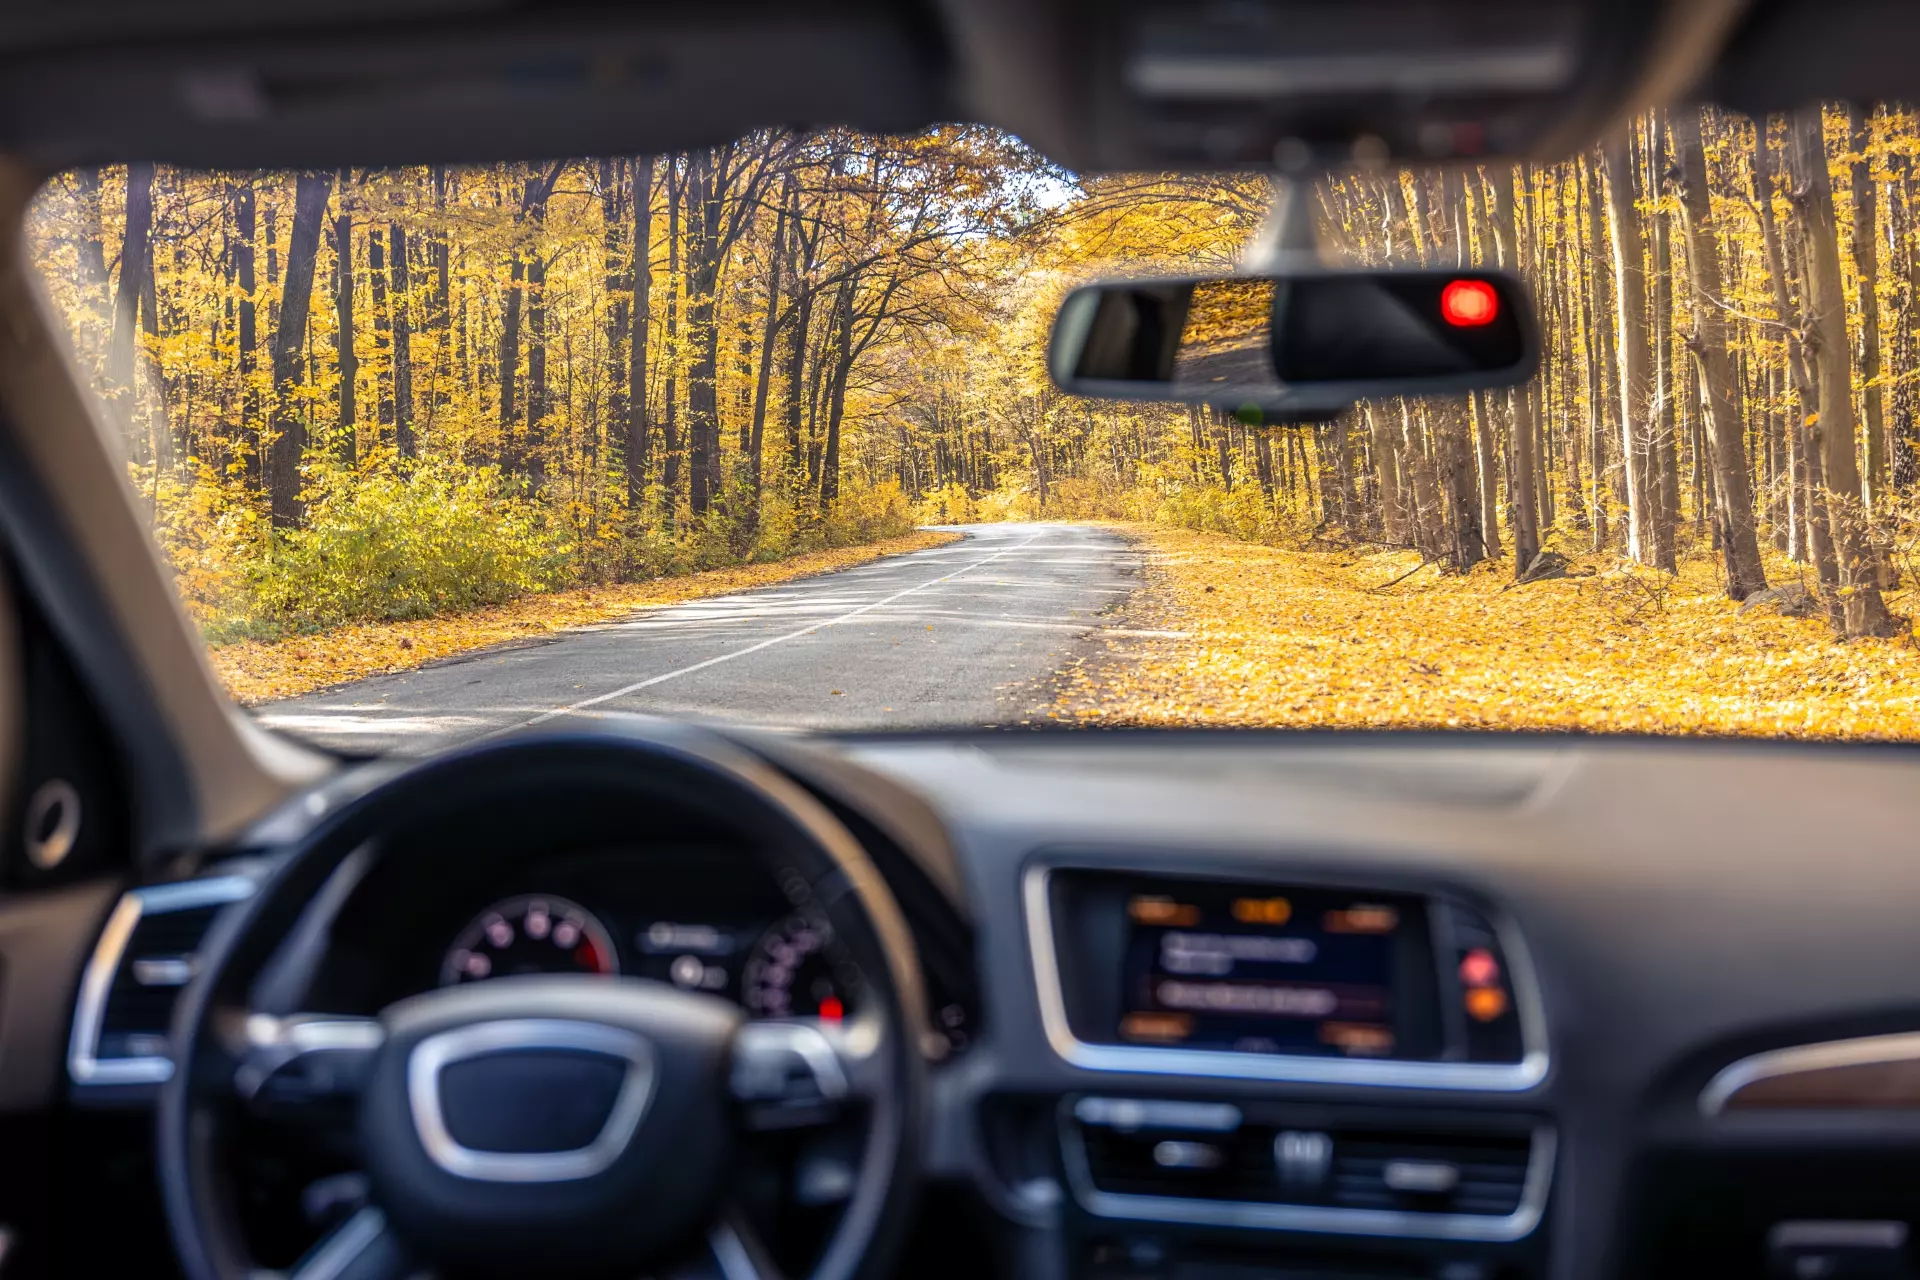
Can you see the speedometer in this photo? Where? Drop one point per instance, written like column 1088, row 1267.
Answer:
column 538, row 933
column 793, row 972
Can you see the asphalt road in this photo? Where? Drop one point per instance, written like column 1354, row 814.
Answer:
column 964, row 634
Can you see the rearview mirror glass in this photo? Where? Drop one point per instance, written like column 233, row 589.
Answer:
column 1297, row 344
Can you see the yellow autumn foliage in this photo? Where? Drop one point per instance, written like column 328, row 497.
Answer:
column 1280, row 636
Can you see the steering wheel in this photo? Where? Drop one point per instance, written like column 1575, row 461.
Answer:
column 532, row 1124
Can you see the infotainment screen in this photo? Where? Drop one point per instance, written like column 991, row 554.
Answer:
column 1265, row 970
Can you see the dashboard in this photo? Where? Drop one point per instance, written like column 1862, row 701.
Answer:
column 1367, row 1008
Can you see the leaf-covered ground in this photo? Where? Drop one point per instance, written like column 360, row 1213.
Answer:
column 1316, row 638
column 256, row 671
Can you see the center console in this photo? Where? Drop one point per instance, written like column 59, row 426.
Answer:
column 1226, row 991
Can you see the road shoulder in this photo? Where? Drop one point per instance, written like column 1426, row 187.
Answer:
column 258, row 671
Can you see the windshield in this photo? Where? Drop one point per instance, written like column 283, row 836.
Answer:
column 763, row 434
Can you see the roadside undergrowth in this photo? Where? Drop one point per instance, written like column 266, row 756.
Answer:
column 1276, row 636
column 257, row 671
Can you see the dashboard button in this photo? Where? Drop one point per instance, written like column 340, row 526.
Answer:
column 1302, row 1158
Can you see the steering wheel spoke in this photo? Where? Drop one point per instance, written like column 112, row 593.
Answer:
column 732, row 1250
column 305, row 1066
column 798, row 1072
column 361, row 1248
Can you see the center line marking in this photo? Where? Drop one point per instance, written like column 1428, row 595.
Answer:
column 648, row 683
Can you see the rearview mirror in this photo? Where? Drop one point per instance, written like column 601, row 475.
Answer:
column 1295, row 346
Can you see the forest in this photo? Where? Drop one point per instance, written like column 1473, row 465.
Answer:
column 394, row 393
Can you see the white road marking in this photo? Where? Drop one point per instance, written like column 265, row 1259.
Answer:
column 360, row 724
column 651, row 681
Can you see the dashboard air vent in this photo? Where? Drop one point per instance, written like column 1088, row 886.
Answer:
column 1209, row 1163
column 1427, row 1174
column 147, row 952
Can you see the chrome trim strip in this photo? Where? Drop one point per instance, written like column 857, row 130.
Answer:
column 1216, row 1063
column 1256, row 1216
column 84, row 1065
column 1133, row 1115
column 1796, row 1059
column 448, row 1047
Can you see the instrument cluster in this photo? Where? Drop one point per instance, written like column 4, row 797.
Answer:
column 786, row 966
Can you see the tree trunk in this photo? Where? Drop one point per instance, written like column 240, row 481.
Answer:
column 616, row 282
column 403, row 439
column 1732, row 498
column 1866, row 262
column 1799, row 525
column 1662, row 442
column 1599, row 355
column 1858, row 609
column 1630, row 299
column 248, row 333
column 346, row 425
column 1386, row 462
column 136, row 266
column 670, row 436
column 777, row 261
column 382, row 328
column 510, row 365
column 289, row 340
column 1526, row 504
column 703, row 272
column 638, row 433
column 837, row 395
column 92, row 244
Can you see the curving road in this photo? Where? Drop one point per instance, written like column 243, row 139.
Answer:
column 965, row 634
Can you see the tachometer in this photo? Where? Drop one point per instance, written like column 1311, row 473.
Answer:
column 538, row 933
column 791, row 973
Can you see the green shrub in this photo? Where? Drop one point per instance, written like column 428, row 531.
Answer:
column 381, row 545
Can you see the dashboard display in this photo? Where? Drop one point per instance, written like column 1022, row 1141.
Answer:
column 1262, row 970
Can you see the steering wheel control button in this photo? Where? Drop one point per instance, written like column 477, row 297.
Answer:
column 533, row 1093
column 786, row 1073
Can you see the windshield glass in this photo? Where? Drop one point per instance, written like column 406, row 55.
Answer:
column 764, row 434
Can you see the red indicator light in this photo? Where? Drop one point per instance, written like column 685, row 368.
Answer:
column 832, row 1010
column 1478, row 968
column 1468, row 304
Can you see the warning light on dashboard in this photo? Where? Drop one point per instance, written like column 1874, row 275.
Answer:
column 1484, row 1004
column 832, row 1010
column 1151, row 908
column 1478, row 968
column 1262, row 910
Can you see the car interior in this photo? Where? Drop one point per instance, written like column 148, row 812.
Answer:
column 1584, row 1006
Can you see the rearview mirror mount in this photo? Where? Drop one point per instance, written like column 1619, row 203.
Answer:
column 1299, row 346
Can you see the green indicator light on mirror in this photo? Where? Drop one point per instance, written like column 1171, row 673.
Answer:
column 1249, row 415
